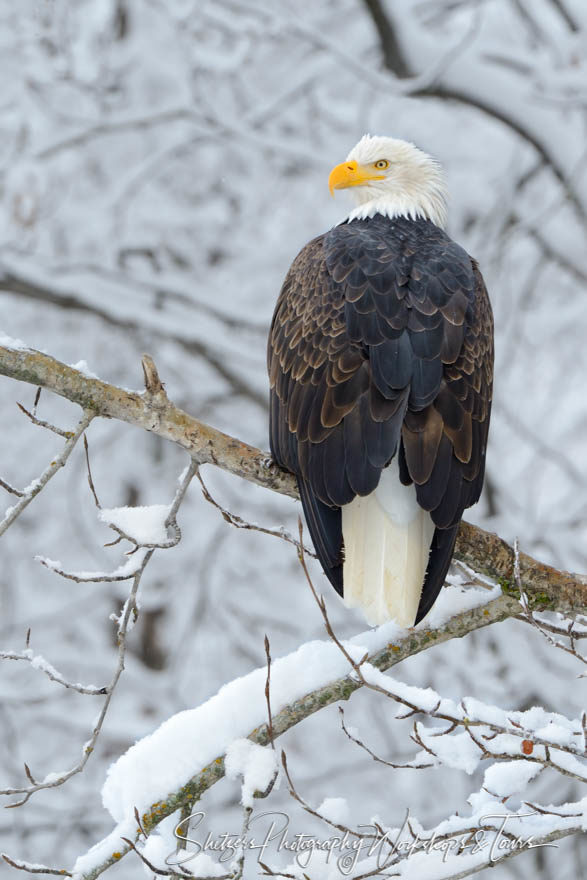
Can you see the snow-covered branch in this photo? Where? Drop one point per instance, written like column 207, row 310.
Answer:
column 522, row 744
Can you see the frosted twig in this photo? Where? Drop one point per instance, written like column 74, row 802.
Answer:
column 322, row 606
column 35, row 869
column 161, row 545
column 568, row 631
column 269, row 872
column 125, row 572
column 247, row 813
column 122, row 573
column 161, row 872
column 37, row 485
column 184, row 482
column 543, row 630
column 39, row 662
column 183, row 485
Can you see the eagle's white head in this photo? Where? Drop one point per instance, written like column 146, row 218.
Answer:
column 393, row 178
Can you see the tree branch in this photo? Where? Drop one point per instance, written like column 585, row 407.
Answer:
column 393, row 56
column 31, row 289
column 496, row 103
column 546, row 587
column 410, row 643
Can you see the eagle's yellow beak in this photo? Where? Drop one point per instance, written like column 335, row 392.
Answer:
column 350, row 174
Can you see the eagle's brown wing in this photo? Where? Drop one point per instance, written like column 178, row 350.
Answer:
column 382, row 341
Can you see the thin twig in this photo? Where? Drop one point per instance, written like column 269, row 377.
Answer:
column 40, row 663
column 35, row 869
column 37, row 485
column 11, row 489
column 129, row 613
column 238, row 522
column 394, row 766
column 89, row 469
column 41, row 424
column 268, row 695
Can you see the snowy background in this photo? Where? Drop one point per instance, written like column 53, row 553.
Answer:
column 161, row 163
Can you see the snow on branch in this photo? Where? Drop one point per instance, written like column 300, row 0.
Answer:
column 302, row 683
column 314, row 676
column 37, row 661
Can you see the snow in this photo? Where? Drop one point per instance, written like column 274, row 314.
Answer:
column 34, row 484
column 510, row 777
column 256, row 764
column 425, row 698
column 457, row 750
column 455, row 600
column 54, row 776
column 9, row 342
column 82, row 367
column 187, row 742
column 336, row 809
column 39, row 662
column 145, row 525
column 156, row 850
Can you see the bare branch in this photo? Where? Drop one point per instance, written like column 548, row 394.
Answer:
column 90, row 480
column 393, row 55
column 268, row 695
column 376, row 758
column 238, row 522
column 42, row 424
column 39, row 484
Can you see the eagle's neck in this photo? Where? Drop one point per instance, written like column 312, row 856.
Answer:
column 416, row 193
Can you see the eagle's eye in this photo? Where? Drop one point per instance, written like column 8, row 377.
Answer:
column 381, row 164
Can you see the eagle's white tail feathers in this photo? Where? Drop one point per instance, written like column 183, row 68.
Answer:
column 387, row 539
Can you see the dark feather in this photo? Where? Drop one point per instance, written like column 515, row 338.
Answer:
column 325, row 527
column 441, row 550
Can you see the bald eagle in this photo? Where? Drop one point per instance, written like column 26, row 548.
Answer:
column 380, row 360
